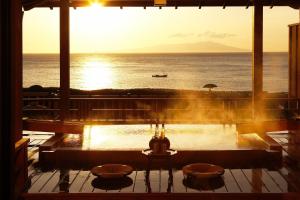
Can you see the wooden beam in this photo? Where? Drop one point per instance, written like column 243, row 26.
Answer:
column 53, row 126
column 64, row 59
column 257, row 61
column 29, row 4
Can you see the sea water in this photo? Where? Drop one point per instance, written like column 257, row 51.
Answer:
column 229, row 71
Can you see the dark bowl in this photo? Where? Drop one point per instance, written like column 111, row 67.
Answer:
column 112, row 170
column 202, row 170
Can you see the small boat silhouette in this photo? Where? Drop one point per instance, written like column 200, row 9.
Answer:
column 160, row 75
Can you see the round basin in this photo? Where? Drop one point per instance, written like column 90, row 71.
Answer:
column 202, row 170
column 112, row 170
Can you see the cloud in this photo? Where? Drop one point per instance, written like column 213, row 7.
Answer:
column 215, row 35
column 206, row 34
column 181, row 35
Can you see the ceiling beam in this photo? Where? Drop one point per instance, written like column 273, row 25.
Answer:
column 29, row 4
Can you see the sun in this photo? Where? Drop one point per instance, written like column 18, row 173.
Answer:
column 95, row 6
column 95, row 17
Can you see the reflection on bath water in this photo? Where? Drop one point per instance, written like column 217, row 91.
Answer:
column 182, row 137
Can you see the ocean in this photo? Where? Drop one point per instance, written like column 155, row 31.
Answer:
column 229, row 71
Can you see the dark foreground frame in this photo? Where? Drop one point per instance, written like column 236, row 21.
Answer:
column 213, row 196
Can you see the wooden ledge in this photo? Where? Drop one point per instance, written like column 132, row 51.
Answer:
column 21, row 143
column 53, row 126
column 262, row 127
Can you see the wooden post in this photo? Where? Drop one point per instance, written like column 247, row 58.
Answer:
column 294, row 66
column 10, row 94
column 257, row 61
column 17, row 69
column 64, row 59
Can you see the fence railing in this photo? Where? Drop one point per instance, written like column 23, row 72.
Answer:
column 150, row 109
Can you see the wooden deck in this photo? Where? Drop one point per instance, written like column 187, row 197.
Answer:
column 233, row 181
column 236, row 182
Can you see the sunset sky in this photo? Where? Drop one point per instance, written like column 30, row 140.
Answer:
column 132, row 29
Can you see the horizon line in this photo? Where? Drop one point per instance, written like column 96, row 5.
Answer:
column 214, row 52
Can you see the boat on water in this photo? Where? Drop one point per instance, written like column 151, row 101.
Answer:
column 160, row 75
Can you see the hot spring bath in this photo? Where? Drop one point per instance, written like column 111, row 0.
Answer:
column 213, row 143
column 182, row 137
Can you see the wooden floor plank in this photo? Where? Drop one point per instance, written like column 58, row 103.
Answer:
column 73, row 176
column 66, row 179
column 178, row 186
column 87, row 186
column 241, row 180
column 154, row 180
column 230, row 183
column 78, row 182
column 50, row 185
column 140, row 185
column 269, row 183
column 284, row 140
column 290, row 177
column 276, row 139
column 164, row 181
column 41, row 181
column 254, row 177
column 33, row 141
column 35, row 176
column 279, row 180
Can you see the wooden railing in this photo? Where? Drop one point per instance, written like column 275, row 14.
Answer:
column 150, row 109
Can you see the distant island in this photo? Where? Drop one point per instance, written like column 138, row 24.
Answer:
column 198, row 47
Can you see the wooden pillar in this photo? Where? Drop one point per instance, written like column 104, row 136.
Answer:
column 64, row 59
column 294, row 66
column 17, row 69
column 257, row 61
column 10, row 93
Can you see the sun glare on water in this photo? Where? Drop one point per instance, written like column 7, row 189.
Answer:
column 96, row 75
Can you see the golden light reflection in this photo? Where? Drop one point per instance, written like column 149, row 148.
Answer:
column 182, row 137
column 94, row 136
column 252, row 140
column 96, row 75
